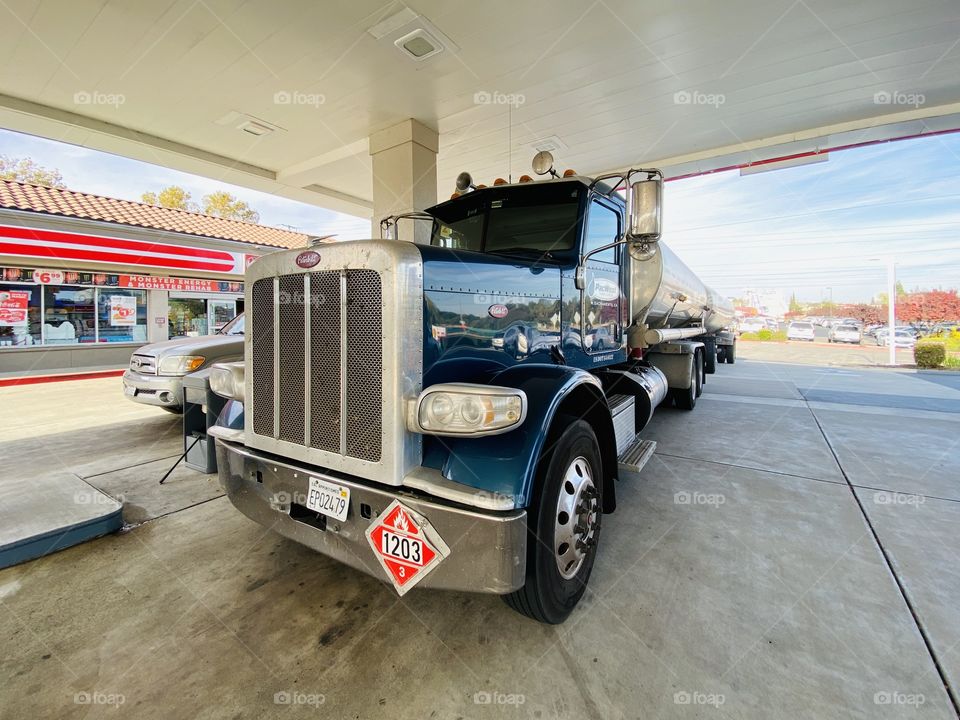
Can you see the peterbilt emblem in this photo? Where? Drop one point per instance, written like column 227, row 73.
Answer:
column 498, row 311
column 308, row 259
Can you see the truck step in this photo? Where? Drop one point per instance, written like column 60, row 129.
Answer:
column 622, row 408
column 636, row 455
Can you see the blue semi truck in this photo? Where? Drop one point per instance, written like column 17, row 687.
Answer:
column 454, row 413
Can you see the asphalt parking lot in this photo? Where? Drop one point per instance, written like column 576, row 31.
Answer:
column 790, row 552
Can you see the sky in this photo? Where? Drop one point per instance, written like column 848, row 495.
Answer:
column 101, row 173
column 828, row 225
column 797, row 230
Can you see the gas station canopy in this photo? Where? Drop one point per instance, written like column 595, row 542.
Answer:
column 285, row 96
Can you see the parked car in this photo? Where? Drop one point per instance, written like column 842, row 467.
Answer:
column 752, row 324
column 902, row 338
column 772, row 323
column 845, row 334
column 156, row 372
column 801, row 331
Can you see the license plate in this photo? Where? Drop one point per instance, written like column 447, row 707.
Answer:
column 129, row 390
column 328, row 499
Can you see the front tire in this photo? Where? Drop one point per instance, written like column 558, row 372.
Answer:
column 563, row 527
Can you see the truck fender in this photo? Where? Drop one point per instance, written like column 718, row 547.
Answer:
column 508, row 463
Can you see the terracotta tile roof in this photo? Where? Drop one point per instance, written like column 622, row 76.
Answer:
column 70, row 203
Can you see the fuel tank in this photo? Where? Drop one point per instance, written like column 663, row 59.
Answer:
column 667, row 293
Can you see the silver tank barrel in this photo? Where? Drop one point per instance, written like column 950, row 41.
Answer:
column 662, row 286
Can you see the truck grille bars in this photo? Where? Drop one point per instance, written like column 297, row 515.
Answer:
column 317, row 356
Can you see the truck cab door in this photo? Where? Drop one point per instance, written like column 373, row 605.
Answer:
column 601, row 329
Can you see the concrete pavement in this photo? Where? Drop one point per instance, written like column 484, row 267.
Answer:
column 778, row 558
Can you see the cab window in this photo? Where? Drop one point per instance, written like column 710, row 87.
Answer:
column 603, row 228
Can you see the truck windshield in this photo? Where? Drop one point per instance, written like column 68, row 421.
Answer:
column 540, row 218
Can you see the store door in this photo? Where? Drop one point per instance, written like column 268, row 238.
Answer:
column 220, row 313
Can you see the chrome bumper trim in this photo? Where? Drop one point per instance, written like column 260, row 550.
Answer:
column 487, row 551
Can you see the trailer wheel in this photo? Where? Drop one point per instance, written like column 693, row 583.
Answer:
column 730, row 353
column 710, row 357
column 701, row 371
column 563, row 527
column 686, row 398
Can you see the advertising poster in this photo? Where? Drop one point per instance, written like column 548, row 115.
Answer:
column 13, row 307
column 123, row 310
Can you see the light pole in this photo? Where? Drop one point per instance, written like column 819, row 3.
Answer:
column 891, row 306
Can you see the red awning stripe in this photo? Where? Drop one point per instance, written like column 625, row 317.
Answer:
column 90, row 255
column 10, row 232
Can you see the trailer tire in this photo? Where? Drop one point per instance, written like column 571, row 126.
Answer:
column 686, row 398
column 730, row 353
column 569, row 476
column 700, row 366
column 710, row 356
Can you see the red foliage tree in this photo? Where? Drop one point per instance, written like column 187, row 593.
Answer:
column 931, row 306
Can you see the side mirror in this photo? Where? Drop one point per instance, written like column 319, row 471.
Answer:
column 645, row 209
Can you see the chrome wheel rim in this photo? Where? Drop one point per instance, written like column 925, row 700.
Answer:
column 575, row 519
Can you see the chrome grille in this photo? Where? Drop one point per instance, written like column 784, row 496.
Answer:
column 143, row 364
column 261, row 350
column 364, row 364
column 325, row 358
column 291, row 327
column 325, row 361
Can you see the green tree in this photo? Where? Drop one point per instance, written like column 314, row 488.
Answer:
column 223, row 204
column 795, row 306
column 173, row 196
column 26, row 170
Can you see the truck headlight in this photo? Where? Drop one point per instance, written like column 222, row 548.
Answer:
column 180, row 364
column 464, row 409
column 226, row 380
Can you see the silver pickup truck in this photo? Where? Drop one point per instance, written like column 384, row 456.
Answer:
column 156, row 372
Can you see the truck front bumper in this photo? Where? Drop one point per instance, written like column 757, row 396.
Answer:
column 488, row 550
column 160, row 390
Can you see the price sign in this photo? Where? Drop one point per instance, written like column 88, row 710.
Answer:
column 48, row 277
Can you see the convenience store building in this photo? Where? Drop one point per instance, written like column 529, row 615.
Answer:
column 86, row 279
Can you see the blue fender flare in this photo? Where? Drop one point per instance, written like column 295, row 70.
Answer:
column 507, row 464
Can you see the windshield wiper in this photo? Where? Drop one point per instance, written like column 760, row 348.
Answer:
column 541, row 254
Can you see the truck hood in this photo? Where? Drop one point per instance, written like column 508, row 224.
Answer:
column 194, row 345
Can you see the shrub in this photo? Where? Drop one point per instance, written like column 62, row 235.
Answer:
column 929, row 354
column 765, row 335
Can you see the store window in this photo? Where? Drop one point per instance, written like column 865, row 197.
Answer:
column 187, row 317
column 20, row 308
column 70, row 315
column 192, row 316
column 121, row 315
